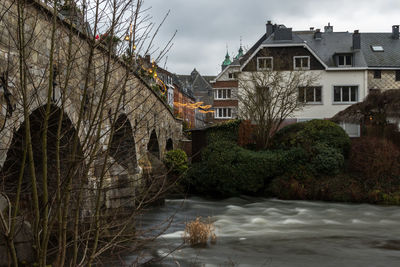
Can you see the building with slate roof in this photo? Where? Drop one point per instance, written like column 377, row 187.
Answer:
column 349, row 66
column 201, row 89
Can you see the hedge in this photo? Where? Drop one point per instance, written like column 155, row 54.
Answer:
column 227, row 131
column 307, row 134
column 228, row 170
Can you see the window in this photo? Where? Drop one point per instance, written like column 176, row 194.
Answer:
column 264, row 63
column 310, row 95
column 397, row 75
column 377, row 48
column 222, row 94
column 345, row 94
column 344, row 60
column 377, row 74
column 169, row 80
column 223, row 113
column 232, row 75
column 301, row 63
column 352, row 130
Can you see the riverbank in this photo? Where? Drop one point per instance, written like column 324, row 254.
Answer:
column 313, row 160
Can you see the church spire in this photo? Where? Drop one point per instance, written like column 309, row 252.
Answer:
column 227, row 60
column 240, row 51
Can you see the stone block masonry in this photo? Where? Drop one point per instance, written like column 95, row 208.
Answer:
column 78, row 89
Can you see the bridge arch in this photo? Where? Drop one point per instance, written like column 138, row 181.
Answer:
column 69, row 165
column 16, row 121
column 153, row 146
column 123, row 145
column 169, row 145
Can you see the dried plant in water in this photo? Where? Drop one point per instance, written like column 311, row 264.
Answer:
column 198, row 232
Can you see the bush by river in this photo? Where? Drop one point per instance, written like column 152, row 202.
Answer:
column 312, row 160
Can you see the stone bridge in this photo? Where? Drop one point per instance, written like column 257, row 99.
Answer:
column 97, row 97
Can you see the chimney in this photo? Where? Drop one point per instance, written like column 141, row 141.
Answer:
column 328, row 28
column 318, row 34
column 270, row 28
column 356, row 40
column 395, row 32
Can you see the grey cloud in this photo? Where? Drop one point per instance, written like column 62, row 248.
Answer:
column 205, row 26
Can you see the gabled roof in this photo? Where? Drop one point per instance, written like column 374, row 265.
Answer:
column 195, row 81
column 252, row 49
column 271, row 42
column 333, row 43
column 196, row 85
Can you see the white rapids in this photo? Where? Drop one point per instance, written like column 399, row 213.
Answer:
column 270, row 232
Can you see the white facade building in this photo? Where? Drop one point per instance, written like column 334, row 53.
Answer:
column 348, row 66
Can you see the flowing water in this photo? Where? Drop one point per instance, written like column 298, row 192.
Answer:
column 270, row 232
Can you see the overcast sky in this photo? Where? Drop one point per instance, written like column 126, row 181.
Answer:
column 206, row 27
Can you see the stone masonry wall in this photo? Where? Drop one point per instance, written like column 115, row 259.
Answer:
column 143, row 107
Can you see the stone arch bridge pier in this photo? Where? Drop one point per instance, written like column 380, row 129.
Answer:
column 70, row 98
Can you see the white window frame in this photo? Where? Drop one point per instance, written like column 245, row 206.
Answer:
column 262, row 58
column 343, row 125
column 315, row 95
column 301, row 67
column 344, row 60
column 216, row 94
column 220, row 111
column 341, row 94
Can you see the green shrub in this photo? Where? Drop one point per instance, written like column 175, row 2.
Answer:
column 227, row 131
column 287, row 136
column 176, row 161
column 228, row 170
column 307, row 134
column 327, row 160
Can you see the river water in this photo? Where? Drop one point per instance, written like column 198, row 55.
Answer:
column 270, row 232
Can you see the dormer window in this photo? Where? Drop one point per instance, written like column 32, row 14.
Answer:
column 344, row 60
column 301, row 62
column 264, row 63
column 232, row 75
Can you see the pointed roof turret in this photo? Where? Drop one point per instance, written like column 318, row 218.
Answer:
column 240, row 51
column 227, row 60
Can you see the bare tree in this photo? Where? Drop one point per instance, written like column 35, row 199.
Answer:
column 75, row 116
column 268, row 97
